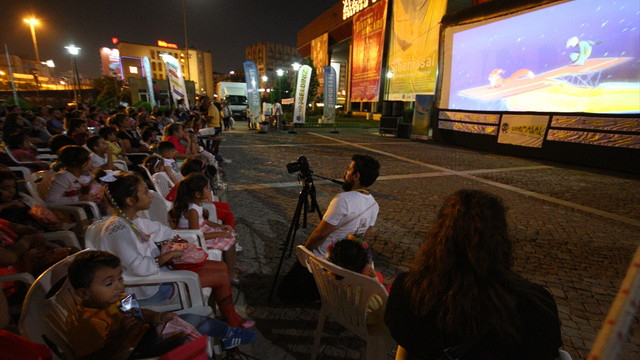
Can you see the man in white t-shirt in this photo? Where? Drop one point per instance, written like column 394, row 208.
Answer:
column 351, row 212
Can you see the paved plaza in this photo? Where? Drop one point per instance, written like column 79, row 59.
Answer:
column 575, row 229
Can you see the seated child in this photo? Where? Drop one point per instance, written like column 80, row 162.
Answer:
column 155, row 163
column 101, row 153
column 74, row 182
column 109, row 134
column 354, row 254
column 78, row 131
column 23, row 150
column 102, row 331
column 167, row 152
column 192, row 191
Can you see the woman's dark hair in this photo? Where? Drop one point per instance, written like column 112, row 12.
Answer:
column 186, row 192
column 147, row 135
column 59, row 141
column 117, row 120
column 197, row 165
column 117, row 192
column 14, row 141
column 73, row 156
column 463, row 271
column 171, row 129
column 11, row 125
column 350, row 255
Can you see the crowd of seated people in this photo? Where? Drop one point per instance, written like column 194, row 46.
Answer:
column 85, row 145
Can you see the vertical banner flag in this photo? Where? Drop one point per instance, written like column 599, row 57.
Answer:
column 147, row 73
column 368, row 43
column 302, row 89
column 421, row 115
column 413, row 48
column 330, row 95
column 176, row 81
column 253, row 95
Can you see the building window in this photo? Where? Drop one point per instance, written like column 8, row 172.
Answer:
column 153, row 55
column 153, row 66
column 142, row 95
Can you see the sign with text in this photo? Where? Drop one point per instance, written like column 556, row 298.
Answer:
column 368, row 44
column 413, row 48
column 253, row 93
column 176, row 80
column 302, row 90
column 523, row 130
column 330, row 96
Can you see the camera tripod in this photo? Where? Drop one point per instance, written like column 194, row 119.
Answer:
column 308, row 191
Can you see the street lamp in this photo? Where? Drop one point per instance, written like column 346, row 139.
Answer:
column 74, row 51
column 296, row 66
column 389, row 76
column 32, row 23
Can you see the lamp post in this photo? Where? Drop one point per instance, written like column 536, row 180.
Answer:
column 74, row 51
column 186, row 41
column 32, row 23
column 389, row 76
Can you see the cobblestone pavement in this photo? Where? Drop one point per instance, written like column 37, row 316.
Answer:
column 575, row 229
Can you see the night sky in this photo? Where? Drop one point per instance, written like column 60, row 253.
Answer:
column 224, row 27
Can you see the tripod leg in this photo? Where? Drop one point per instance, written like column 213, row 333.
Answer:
column 314, row 202
column 295, row 221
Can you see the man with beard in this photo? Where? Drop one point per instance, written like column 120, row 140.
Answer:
column 353, row 211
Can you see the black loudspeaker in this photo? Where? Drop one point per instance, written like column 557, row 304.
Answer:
column 397, row 108
column 404, row 131
column 389, row 124
column 387, row 108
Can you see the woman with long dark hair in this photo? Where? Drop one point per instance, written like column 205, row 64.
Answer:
column 461, row 296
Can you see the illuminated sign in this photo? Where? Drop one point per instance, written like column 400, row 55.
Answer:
column 110, row 61
column 352, row 7
column 166, row 44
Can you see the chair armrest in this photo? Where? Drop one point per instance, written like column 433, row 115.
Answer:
column 121, row 165
column 77, row 213
column 94, row 208
column 23, row 277
column 197, row 237
column 22, row 169
column 67, row 237
column 47, row 157
column 191, row 296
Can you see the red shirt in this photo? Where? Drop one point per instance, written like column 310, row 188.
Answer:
column 174, row 140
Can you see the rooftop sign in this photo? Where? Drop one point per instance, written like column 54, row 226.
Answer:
column 352, row 7
column 162, row 43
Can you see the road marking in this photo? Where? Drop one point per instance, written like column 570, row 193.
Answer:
column 468, row 175
column 315, row 144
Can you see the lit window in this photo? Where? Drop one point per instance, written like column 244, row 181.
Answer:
column 133, row 69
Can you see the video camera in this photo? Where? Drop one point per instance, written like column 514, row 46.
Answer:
column 301, row 165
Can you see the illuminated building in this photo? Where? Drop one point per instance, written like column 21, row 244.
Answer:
column 270, row 57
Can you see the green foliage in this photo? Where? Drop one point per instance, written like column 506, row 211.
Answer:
column 21, row 102
column 407, row 116
column 144, row 104
column 281, row 89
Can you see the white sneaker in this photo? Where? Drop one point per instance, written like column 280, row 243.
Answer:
column 238, row 247
column 227, row 161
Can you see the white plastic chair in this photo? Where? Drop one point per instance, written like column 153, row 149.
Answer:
column 159, row 211
column 162, row 183
column 76, row 213
column 190, row 293
column 38, row 185
column 345, row 301
column 48, row 309
column 43, row 157
column 23, row 170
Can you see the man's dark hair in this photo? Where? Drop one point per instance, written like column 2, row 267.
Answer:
column 93, row 141
column 75, row 123
column 73, row 156
column 165, row 146
column 367, row 167
column 86, row 265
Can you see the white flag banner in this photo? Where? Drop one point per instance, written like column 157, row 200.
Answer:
column 176, row 80
column 302, row 89
column 147, row 74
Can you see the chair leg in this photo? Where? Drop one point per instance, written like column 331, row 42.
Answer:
column 377, row 347
column 319, row 329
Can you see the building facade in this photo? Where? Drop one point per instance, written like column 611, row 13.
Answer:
column 270, row 57
column 199, row 68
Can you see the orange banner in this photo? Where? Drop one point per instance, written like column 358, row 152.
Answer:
column 368, row 43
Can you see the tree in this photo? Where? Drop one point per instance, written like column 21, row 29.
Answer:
column 106, row 87
column 281, row 89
